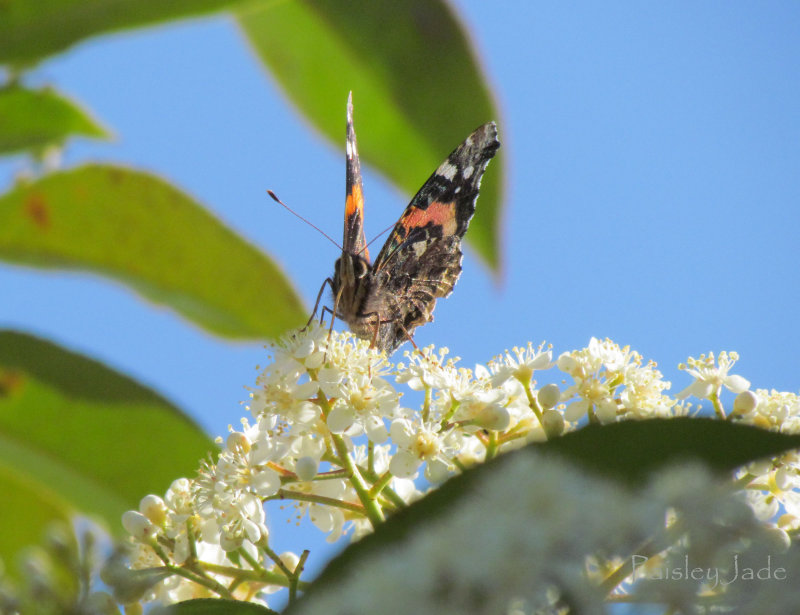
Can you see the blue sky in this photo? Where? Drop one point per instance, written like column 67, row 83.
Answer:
column 653, row 154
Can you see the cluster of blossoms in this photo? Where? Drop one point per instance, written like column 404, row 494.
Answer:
column 328, row 430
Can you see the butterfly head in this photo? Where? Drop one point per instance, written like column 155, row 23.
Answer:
column 351, row 283
column 350, row 268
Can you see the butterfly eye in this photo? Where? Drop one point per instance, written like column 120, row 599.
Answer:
column 360, row 268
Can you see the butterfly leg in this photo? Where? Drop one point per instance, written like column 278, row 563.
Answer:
column 408, row 335
column 332, row 311
column 325, row 310
column 374, row 341
column 316, row 303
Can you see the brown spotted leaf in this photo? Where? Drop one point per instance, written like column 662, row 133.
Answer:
column 139, row 230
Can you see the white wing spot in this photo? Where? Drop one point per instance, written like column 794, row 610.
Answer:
column 419, row 248
column 350, row 149
column 467, row 172
column 447, row 170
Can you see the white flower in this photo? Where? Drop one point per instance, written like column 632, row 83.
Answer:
column 643, row 395
column 427, row 369
column 363, row 402
column 421, row 443
column 521, row 363
column 710, row 378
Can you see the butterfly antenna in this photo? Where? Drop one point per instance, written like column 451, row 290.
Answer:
column 371, row 241
column 314, row 226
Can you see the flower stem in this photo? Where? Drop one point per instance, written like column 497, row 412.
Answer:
column 198, row 576
column 533, row 403
column 371, row 509
column 295, row 581
column 380, row 484
column 426, row 405
column 714, row 397
column 288, row 494
column 491, row 448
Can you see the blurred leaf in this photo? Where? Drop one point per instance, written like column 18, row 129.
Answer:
column 28, row 507
column 139, row 230
column 630, row 451
column 213, row 606
column 33, row 29
column 418, row 90
column 626, row 452
column 78, row 436
column 34, row 119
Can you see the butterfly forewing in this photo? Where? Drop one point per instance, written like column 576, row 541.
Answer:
column 445, row 204
column 354, row 240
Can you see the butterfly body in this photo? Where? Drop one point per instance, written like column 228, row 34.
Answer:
column 385, row 300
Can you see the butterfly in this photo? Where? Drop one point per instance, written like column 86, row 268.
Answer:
column 385, row 300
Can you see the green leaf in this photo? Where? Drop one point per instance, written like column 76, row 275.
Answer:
column 78, row 436
column 33, row 29
column 213, row 606
column 35, row 119
column 417, row 87
column 630, row 451
column 139, row 230
column 625, row 453
column 28, row 507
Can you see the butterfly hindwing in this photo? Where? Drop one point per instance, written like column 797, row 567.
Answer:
column 406, row 292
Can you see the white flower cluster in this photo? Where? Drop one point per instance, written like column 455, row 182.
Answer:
column 773, row 486
column 611, row 384
column 328, row 431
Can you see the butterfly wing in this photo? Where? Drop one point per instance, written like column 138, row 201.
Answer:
column 421, row 260
column 354, row 241
column 444, row 205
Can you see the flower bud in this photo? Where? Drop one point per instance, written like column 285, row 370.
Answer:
column 553, row 423
column 237, row 441
column 745, row 403
column 549, row 395
column 777, row 539
column 494, row 417
column 138, row 526
column 290, row 560
column 154, row 509
column 306, row 468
